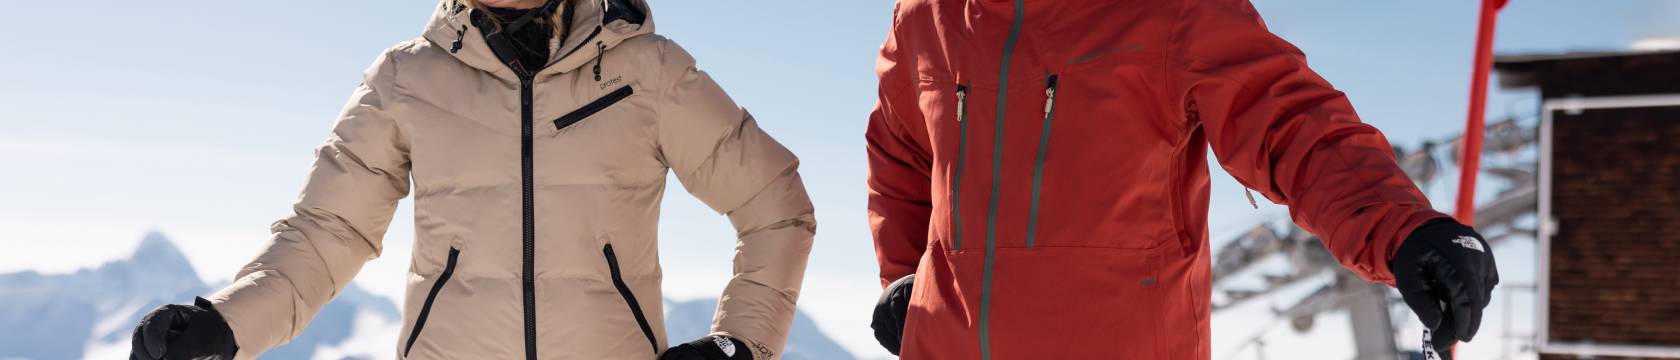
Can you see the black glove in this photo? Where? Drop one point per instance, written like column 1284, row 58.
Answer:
column 183, row 332
column 890, row 311
column 1445, row 272
column 711, row 347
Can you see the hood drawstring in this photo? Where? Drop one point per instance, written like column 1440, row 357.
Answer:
column 602, row 51
column 459, row 35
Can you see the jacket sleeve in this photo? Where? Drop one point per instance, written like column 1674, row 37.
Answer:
column 336, row 225
column 900, row 188
column 721, row 156
column 1280, row 129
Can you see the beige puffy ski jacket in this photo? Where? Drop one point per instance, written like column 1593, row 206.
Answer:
column 535, row 221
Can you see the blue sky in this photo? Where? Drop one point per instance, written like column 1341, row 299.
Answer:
column 199, row 118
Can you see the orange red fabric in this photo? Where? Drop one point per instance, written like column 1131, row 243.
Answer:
column 1118, row 264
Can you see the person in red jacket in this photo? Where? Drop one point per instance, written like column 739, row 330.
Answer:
column 1040, row 168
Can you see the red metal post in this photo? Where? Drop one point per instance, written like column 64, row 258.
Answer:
column 1470, row 151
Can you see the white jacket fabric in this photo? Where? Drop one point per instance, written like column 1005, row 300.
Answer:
column 535, row 225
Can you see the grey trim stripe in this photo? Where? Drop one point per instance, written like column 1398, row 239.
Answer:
column 997, row 175
column 962, row 154
column 1038, row 165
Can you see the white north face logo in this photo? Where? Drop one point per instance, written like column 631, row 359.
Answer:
column 724, row 343
column 1470, row 243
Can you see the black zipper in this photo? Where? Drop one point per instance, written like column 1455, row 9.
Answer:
column 593, row 107
column 956, row 179
column 629, row 298
column 528, row 281
column 526, row 174
column 586, row 40
column 420, row 321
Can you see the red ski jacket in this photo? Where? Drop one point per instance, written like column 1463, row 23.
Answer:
column 1041, row 167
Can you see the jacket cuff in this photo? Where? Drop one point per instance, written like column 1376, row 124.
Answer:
column 757, row 315
column 254, row 308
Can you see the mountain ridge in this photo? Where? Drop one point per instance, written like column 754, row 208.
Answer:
column 91, row 313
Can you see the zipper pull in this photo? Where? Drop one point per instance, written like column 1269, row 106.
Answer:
column 962, row 102
column 1050, row 97
column 1251, row 201
column 526, row 83
column 459, row 35
column 598, row 54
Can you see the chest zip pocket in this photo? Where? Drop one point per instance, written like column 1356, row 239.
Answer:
column 1038, row 164
column 593, row 107
column 956, row 178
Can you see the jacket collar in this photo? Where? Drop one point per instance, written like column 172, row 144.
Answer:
column 587, row 39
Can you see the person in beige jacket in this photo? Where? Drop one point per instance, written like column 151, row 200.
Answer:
column 536, row 137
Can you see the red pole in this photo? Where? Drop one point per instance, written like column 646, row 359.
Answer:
column 1470, row 151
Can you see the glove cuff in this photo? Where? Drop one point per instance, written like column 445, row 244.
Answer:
column 719, row 347
column 1440, row 234
column 1448, row 236
column 230, row 346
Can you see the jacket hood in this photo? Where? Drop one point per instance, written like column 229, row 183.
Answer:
column 587, row 38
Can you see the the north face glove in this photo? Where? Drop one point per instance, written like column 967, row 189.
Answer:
column 1445, row 271
column 183, row 332
column 890, row 311
column 710, row 347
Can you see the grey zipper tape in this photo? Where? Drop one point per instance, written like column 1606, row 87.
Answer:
column 997, row 175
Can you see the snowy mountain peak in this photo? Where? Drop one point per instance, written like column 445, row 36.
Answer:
column 64, row 316
column 89, row 314
column 156, row 265
column 157, row 251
